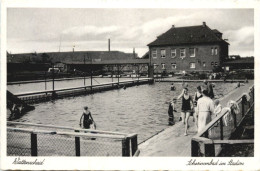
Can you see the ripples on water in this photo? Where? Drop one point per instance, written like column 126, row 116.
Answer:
column 140, row 109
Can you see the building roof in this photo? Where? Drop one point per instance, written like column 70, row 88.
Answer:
column 188, row 35
column 146, row 55
column 216, row 31
column 111, row 62
column 241, row 61
column 76, row 56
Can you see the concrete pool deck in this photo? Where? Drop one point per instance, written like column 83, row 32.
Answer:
column 172, row 142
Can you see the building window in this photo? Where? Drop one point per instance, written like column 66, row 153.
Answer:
column 182, row 53
column 212, row 51
column 155, row 66
column 173, row 65
column 216, row 51
column 192, row 65
column 173, row 53
column 192, row 52
column 163, row 53
column 204, row 64
column 212, row 63
column 163, row 65
column 216, row 63
column 154, row 54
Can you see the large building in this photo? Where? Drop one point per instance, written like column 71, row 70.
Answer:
column 193, row 48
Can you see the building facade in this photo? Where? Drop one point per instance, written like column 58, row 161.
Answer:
column 194, row 48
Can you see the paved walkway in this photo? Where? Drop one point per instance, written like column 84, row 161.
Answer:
column 172, row 142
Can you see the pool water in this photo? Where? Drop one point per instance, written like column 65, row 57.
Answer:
column 140, row 109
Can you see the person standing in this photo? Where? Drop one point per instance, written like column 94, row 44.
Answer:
column 209, row 89
column 204, row 110
column 87, row 119
column 186, row 108
column 197, row 96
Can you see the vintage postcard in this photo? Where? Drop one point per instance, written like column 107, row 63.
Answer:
column 129, row 85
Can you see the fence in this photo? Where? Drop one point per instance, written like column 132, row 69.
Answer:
column 211, row 139
column 24, row 139
column 42, row 96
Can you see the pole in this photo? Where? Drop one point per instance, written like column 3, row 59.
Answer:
column 52, row 77
column 126, row 147
column 91, row 72
column 34, row 150
column 137, row 72
column 118, row 74
column 112, row 74
column 45, row 83
column 84, row 72
column 54, row 95
column 77, row 145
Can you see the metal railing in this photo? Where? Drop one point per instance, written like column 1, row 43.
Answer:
column 25, row 139
column 210, row 140
column 47, row 95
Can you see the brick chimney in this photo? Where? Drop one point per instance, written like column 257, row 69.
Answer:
column 204, row 24
column 108, row 45
column 173, row 26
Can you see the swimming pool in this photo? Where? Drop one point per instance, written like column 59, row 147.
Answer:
column 141, row 109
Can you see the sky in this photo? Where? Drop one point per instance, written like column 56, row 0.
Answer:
column 58, row 29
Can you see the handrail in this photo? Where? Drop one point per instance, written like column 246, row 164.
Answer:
column 244, row 141
column 67, row 128
column 75, row 134
column 75, row 88
column 50, row 80
column 210, row 124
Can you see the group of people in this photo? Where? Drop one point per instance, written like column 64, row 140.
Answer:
column 201, row 107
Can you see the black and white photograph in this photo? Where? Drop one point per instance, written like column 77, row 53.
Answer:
column 129, row 83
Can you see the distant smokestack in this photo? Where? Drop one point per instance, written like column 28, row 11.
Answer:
column 108, row 45
column 134, row 52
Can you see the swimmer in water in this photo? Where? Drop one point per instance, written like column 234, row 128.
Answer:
column 172, row 87
column 87, row 119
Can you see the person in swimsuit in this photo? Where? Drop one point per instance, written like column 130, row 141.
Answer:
column 87, row 119
column 197, row 96
column 209, row 88
column 186, row 108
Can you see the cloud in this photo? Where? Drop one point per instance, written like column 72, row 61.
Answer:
column 89, row 33
column 243, row 36
column 241, row 41
column 236, row 25
column 93, row 30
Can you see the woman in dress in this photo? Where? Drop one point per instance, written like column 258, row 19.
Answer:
column 205, row 108
column 186, row 108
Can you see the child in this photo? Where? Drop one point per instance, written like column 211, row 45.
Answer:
column 171, row 110
column 172, row 87
column 218, row 109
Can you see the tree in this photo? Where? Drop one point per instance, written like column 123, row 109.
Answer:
column 45, row 58
column 217, row 69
